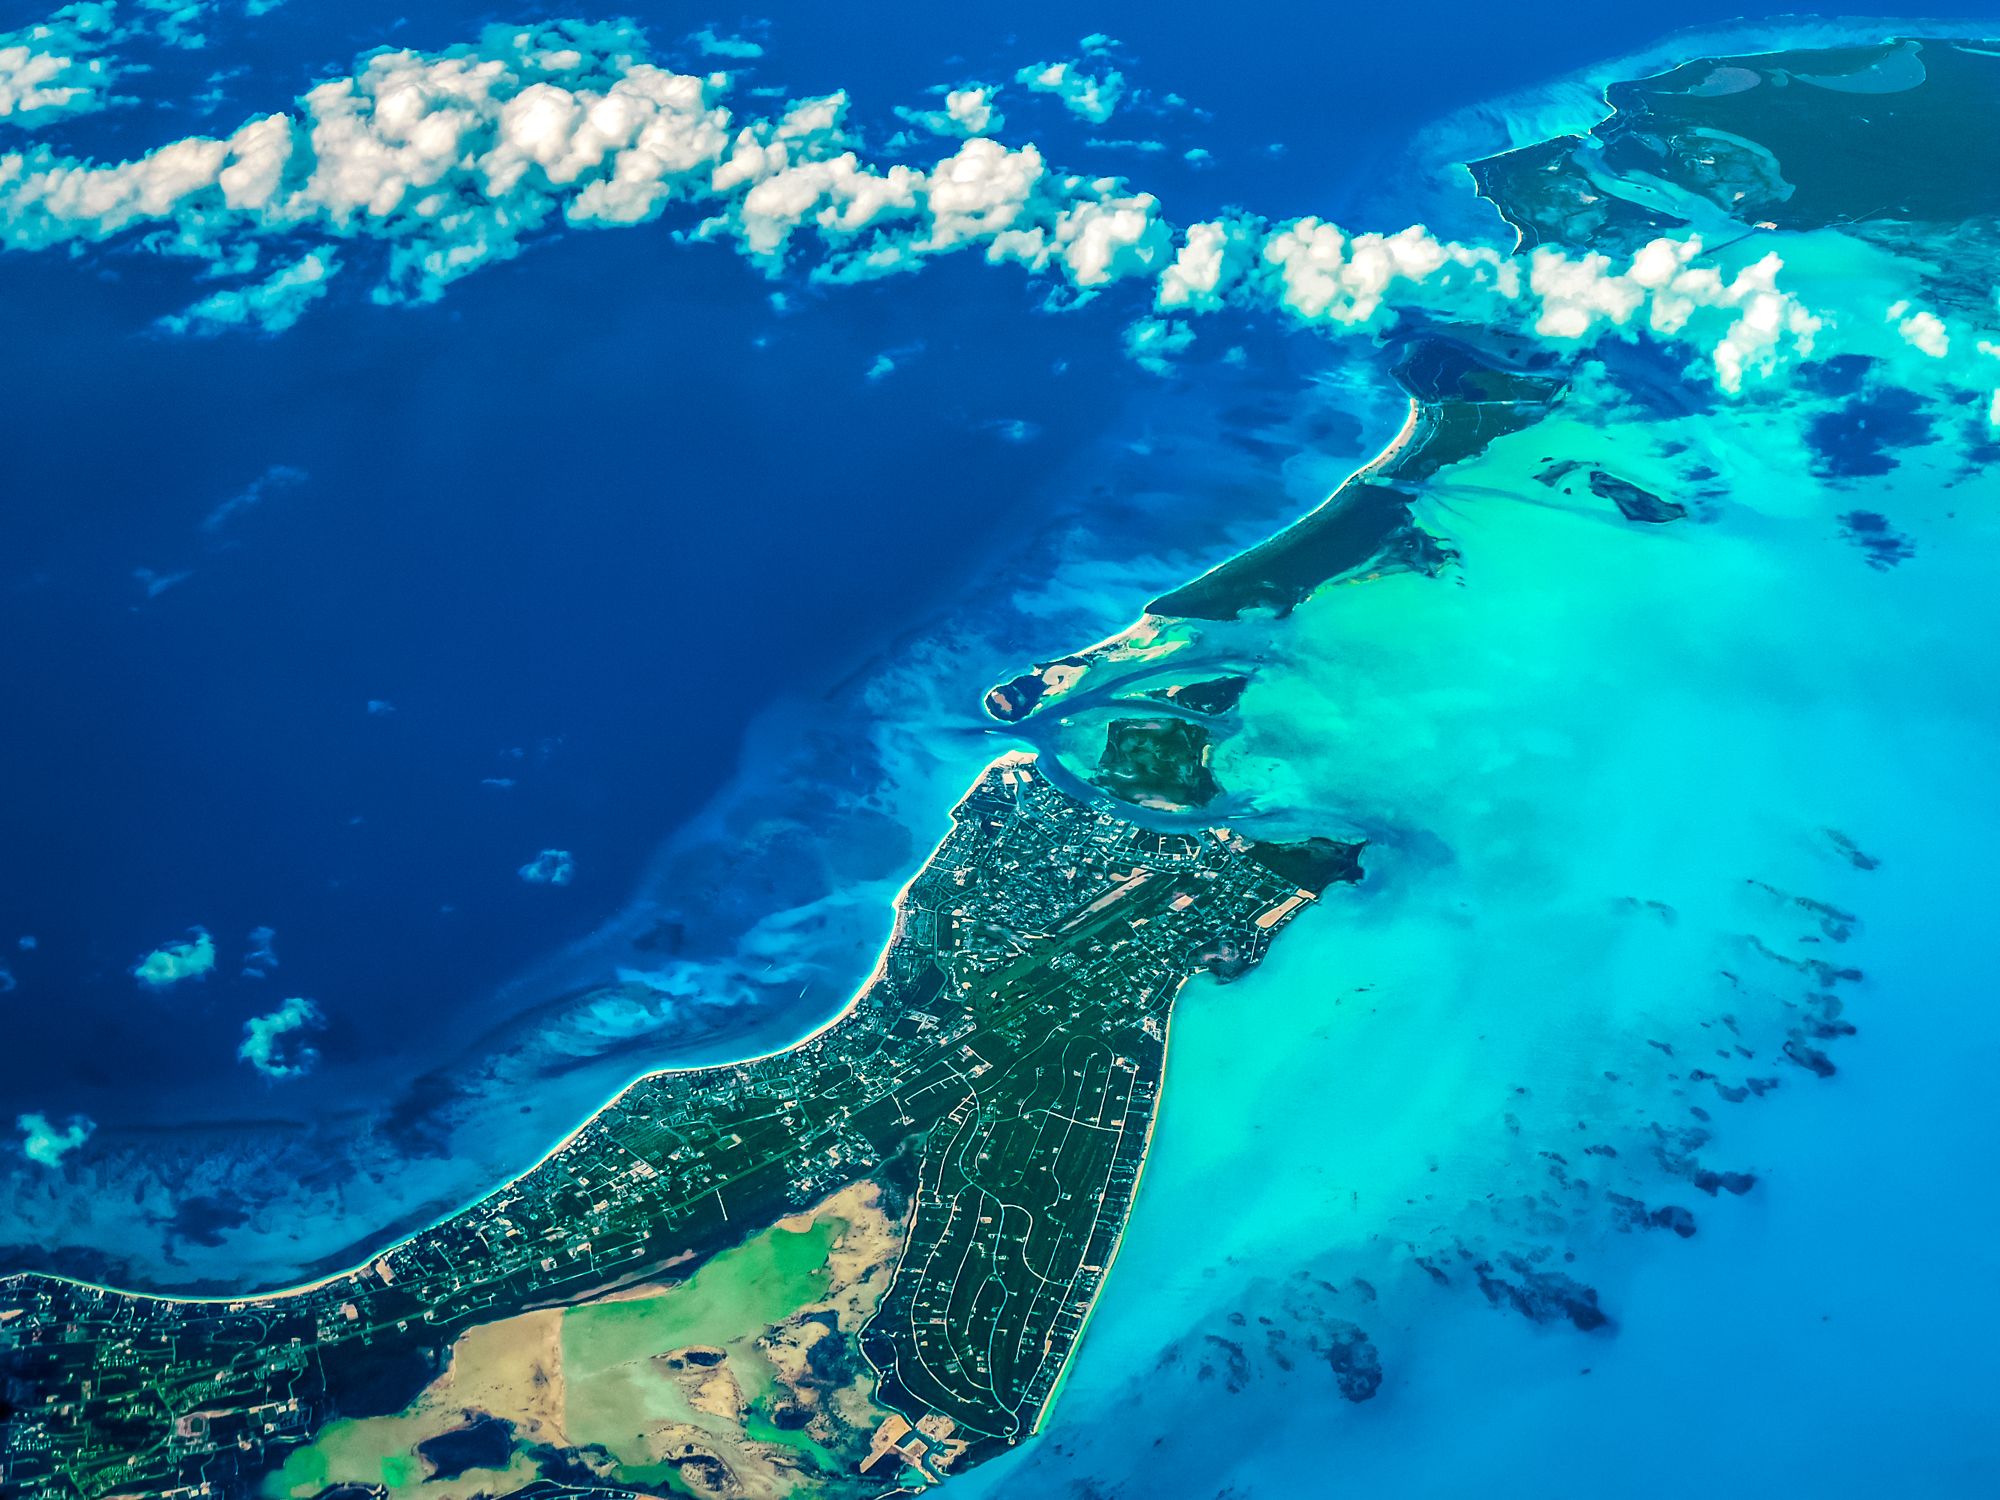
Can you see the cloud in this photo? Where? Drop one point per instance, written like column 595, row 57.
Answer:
column 272, row 305
column 174, row 21
column 1921, row 330
column 1755, row 326
column 156, row 584
column 47, row 1143
column 52, row 70
column 277, row 477
column 890, row 360
column 1094, row 96
column 272, row 1045
column 177, row 961
column 1154, row 343
column 713, row 45
column 1330, row 279
column 550, row 867
column 1012, row 429
column 449, row 160
column 426, row 166
column 967, row 111
column 260, row 955
column 8, row 983
column 1213, row 257
column 1323, row 275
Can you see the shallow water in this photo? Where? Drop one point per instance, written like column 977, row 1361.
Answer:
column 1601, row 765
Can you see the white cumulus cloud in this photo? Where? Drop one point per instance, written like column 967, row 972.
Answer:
column 550, row 867
column 425, row 166
column 733, row 47
column 967, row 111
column 176, row 962
column 273, row 1044
column 56, row 68
column 272, row 305
column 43, row 1141
column 1921, row 329
column 1094, row 96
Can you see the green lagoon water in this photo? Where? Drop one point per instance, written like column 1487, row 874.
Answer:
column 613, row 1392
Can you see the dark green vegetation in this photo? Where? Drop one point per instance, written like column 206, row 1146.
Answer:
column 1634, row 502
column 1467, row 387
column 1800, row 140
column 1463, row 397
column 1161, row 763
column 1215, row 695
column 1005, row 1060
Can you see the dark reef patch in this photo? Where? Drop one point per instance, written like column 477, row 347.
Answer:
column 1296, row 1322
column 1674, row 1149
column 1882, row 545
column 204, row 1218
column 1841, row 375
column 1541, row 1296
column 486, row 1442
column 1631, row 1213
column 1354, row 1360
column 1312, row 864
column 1860, row 438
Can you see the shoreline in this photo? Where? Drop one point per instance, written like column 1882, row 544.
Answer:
column 1142, row 632
column 300, row 1289
column 1147, row 621
column 1111, row 1261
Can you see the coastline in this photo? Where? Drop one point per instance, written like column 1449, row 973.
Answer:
column 1009, row 757
column 1141, row 633
column 113, row 1218
column 1145, row 622
column 1111, row 1263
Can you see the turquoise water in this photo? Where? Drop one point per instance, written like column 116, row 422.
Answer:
column 1625, row 785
